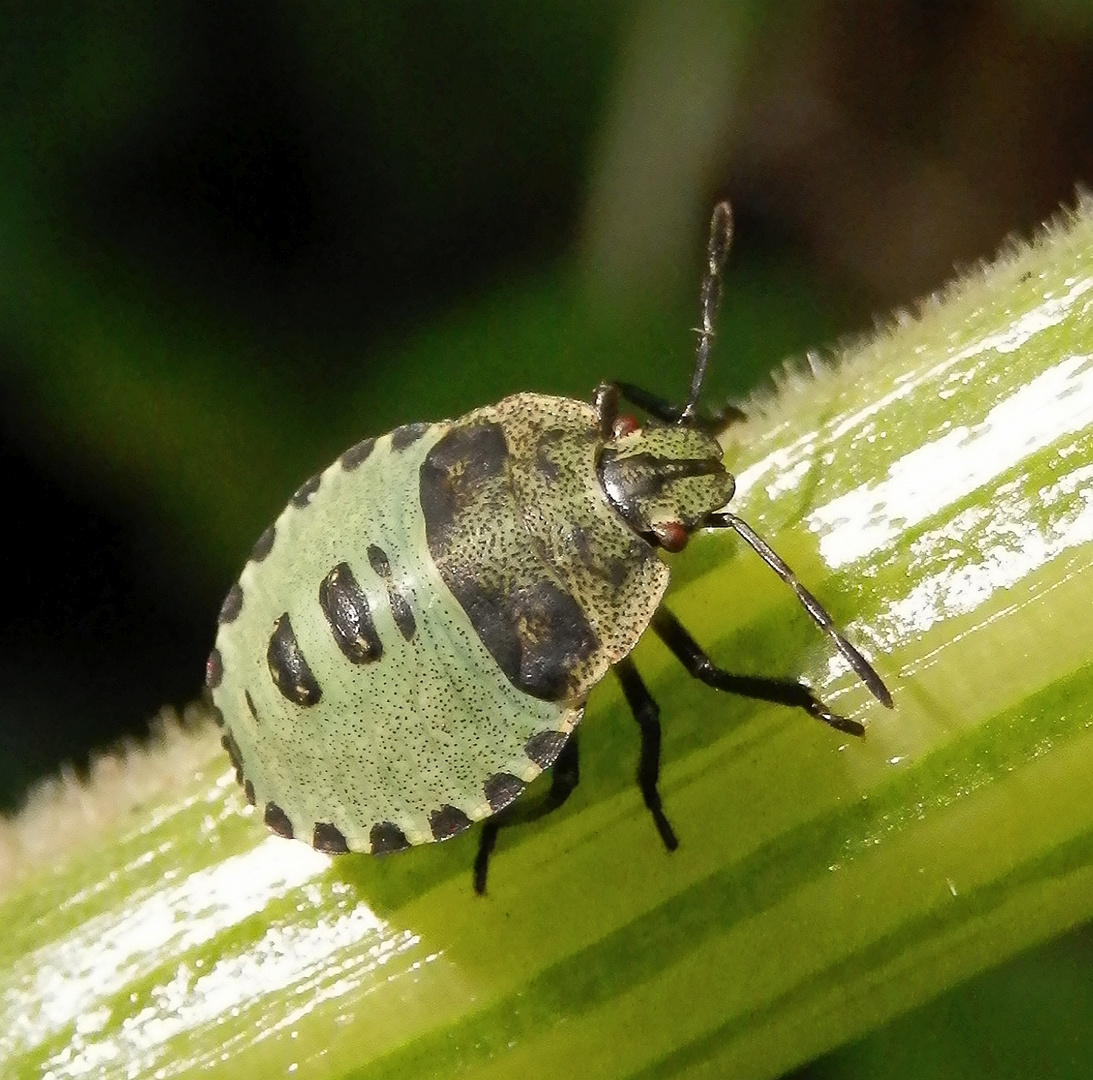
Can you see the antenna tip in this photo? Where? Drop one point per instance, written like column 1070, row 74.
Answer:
column 720, row 232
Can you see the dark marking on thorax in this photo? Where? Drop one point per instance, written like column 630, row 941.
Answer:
column 227, row 740
column 518, row 605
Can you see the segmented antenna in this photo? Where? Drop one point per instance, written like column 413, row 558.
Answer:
column 717, row 252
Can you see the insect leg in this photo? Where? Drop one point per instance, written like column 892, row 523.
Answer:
column 861, row 666
column 647, row 714
column 564, row 776
column 780, row 691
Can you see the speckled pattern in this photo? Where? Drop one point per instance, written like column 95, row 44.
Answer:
column 406, row 741
column 415, row 637
column 567, row 526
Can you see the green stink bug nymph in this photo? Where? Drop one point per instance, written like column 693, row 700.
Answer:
column 414, row 638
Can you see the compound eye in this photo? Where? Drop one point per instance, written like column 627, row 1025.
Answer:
column 624, row 425
column 671, row 535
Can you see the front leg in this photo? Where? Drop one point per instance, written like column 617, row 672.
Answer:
column 607, row 397
column 779, row 691
column 647, row 714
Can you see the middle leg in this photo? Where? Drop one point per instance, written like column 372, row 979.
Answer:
column 647, row 714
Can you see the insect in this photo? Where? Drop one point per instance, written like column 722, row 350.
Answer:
column 413, row 640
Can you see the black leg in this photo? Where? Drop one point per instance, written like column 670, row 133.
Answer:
column 647, row 714
column 861, row 666
column 780, row 691
column 564, row 776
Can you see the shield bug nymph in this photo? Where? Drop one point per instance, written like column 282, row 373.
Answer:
column 413, row 640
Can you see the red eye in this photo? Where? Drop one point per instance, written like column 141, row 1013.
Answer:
column 624, row 425
column 671, row 535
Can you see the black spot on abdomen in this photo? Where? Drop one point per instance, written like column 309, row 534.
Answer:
column 263, row 545
column 227, row 740
column 214, row 669
column 545, row 746
column 290, row 672
column 447, row 822
column 233, row 604
column 400, row 606
column 329, row 838
column 357, row 455
column 386, row 837
column 302, row 495
column 346, row 609
column 277, row 820
column 406, row 435
column 501, row 789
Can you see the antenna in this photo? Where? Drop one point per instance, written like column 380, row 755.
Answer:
column 717, row 252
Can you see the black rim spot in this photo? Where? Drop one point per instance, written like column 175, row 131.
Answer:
column 228, row 742
column 356, row 455
column 302, row 495
column 287, row 666
column 278, row 821
column 329, row 839
column 544, row 746
column 447, row 822
column 501, row 789
column 214, row 670
column 404, row 436
column 263, row 545
column 233, row 604
column 386, row 837
column 248, row 790
column 346, row 609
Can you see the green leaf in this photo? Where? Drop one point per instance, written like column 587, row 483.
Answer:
column 934, row 490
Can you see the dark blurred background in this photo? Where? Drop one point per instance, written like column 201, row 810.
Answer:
column 237, row 237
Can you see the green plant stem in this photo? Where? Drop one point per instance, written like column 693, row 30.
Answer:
column 934, row 489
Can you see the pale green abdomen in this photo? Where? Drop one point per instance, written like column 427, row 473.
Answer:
column 408, row 725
